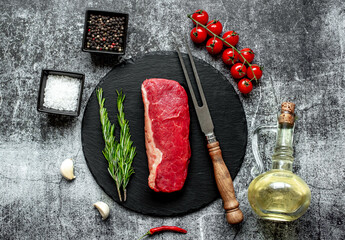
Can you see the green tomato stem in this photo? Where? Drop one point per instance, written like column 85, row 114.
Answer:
column 225, row 42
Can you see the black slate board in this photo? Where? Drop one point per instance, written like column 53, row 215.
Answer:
column 230, row 129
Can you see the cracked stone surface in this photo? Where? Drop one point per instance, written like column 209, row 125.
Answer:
column 301, row 45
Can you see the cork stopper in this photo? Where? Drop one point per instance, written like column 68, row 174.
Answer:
column 287, row 113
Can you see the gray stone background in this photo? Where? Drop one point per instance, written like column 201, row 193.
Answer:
column 301, row 45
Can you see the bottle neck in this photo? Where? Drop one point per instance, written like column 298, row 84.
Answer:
column 283, row 152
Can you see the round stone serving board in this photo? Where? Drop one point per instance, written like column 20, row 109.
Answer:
column 228, row 117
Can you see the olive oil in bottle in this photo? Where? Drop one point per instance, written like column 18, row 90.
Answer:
column 279, row 194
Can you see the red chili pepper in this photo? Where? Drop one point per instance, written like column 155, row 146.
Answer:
column 164, row 228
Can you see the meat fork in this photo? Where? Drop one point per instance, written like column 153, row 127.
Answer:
column 223, row 179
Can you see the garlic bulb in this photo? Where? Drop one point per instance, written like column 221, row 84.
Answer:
column 66, row 169
column 103, row 209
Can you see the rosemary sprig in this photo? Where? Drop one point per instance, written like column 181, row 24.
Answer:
column 109, row 150
column 125, row 151
column 119, row 154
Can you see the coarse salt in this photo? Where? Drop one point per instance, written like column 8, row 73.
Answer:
column 61, row 93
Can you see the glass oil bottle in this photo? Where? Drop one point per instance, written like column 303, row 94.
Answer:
column 279, row 194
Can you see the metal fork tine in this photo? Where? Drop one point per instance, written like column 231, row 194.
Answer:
column 202, row 112
column 195, row 102
column 196, row 75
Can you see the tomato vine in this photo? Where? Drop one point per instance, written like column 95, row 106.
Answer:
column 242, row 55
column 223, row 40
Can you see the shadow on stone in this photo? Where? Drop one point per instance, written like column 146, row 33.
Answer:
column 56, row 120
column 104, row 60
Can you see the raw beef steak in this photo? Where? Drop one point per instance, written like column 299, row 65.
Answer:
column 166, row 133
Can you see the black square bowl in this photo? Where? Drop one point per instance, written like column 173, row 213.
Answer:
column 104, row 14
column 45, row 72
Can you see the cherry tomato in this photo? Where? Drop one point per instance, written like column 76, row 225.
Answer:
column 230, row 56
column 245, row 86
column 198, row 34
column 238, row 70
column 257, row 72
column 230, row 37
column 214, row 46
column 248, row 54
column 215, row 26
column 201, row 16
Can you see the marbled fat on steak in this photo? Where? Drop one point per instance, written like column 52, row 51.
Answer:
column 166, row 133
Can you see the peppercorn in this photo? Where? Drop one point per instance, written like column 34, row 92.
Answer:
column 105, row 33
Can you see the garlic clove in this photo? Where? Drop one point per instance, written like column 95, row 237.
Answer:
column 103, row 209
column 66, row 169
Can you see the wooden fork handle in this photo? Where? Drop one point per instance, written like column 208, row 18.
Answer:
column 225, row 186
